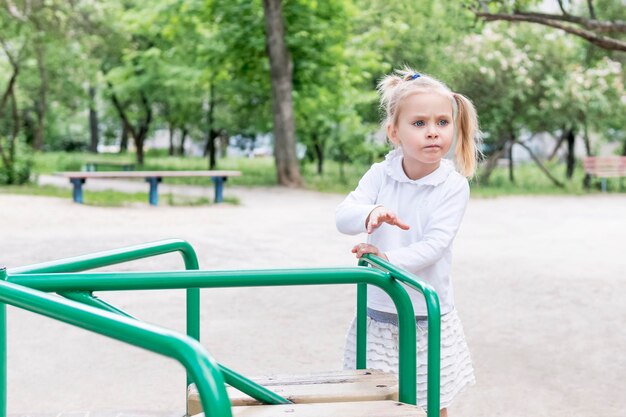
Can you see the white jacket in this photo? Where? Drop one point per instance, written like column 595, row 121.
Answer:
column 433, row 207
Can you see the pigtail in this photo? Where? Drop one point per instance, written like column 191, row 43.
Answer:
column 386, row 88
column 468, row 137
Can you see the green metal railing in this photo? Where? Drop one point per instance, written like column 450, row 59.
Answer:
column 132, row 253
column 52, row 276
column 119, row 281
column 434, row 325
column 189, row 352
column 127, row 254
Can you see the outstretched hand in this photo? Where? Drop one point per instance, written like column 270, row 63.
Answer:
column 382, row 215
column 363, row 248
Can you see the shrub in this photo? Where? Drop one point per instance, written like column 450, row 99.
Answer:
column 19, row 167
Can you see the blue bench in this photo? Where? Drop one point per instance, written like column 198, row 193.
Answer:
column 152, row 177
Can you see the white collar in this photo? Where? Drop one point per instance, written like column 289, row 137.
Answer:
column 394, row 169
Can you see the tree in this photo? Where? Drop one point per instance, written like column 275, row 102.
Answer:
column 527, row 80
column 601, row 27
column 196, row 59
column 587, row 98
column 8, row 146
column 133, row 73
column 281, row 69
column 501, row 70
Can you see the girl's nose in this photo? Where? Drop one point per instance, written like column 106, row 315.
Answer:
column 431, row 133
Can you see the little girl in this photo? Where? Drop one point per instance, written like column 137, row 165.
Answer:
column 411, row 205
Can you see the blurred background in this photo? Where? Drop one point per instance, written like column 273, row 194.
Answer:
column 284, row 91
column 188, row 84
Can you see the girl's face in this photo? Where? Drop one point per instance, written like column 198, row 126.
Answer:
column 424, row 131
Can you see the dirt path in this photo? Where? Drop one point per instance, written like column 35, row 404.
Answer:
column 539, row 286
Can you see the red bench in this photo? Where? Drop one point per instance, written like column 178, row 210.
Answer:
column 604, row 167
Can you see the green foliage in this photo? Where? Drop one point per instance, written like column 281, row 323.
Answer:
column 19, row 168
column 526, row 79
column 201, row 66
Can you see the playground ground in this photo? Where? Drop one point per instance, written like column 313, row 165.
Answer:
column 540, row 284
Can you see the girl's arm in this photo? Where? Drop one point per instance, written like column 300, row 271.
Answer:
column 438, row 233
column 351, row 214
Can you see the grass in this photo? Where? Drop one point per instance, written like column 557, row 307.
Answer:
column 255, row 172
column 529, row 180
column 109, row 198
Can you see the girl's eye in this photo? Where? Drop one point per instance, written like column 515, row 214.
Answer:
column 443, row 122
column 418, row 123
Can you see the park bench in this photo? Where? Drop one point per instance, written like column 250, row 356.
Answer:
column 604, row 167
column 78, row 178
column 94, row 165
column 323, row 387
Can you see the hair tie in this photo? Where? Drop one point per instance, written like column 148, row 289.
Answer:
column 416, row 75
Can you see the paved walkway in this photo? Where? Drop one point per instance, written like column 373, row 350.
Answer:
column 539, row 284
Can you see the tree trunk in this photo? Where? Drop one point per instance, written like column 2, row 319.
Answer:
column 209, row 148
column 558, row 145
column 144, row 128
column 492, row 161
column 8, row 157
column 139, row 134
column 586, row 140
column 571, row 158
column 319, row 153
column 587, row 178
column 170, row 151
column 139, row 141
column 15, row 131
column 541, row 166
column 40, row 103
column 124, row 139
column 93, row 120
column 9, row 90
column 281, row 67
column 511, row 166
column 183, row 138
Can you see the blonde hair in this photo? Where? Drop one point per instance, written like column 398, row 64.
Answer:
column 396, row 87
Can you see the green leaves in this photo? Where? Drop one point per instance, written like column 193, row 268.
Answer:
column 194, row 58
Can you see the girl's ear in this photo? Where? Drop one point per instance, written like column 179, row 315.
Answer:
column 392, row 134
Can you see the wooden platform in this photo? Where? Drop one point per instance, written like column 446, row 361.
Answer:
column 345, row 409
column 323, row 387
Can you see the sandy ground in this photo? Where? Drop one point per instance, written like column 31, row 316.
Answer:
column 540, row 284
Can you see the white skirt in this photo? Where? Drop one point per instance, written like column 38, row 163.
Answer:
column 457, row 372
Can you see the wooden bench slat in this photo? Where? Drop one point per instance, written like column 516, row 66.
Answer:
column 323, row 387
column 324, row 377
column 605, row 166
column 146, row 174
column 345, row 409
